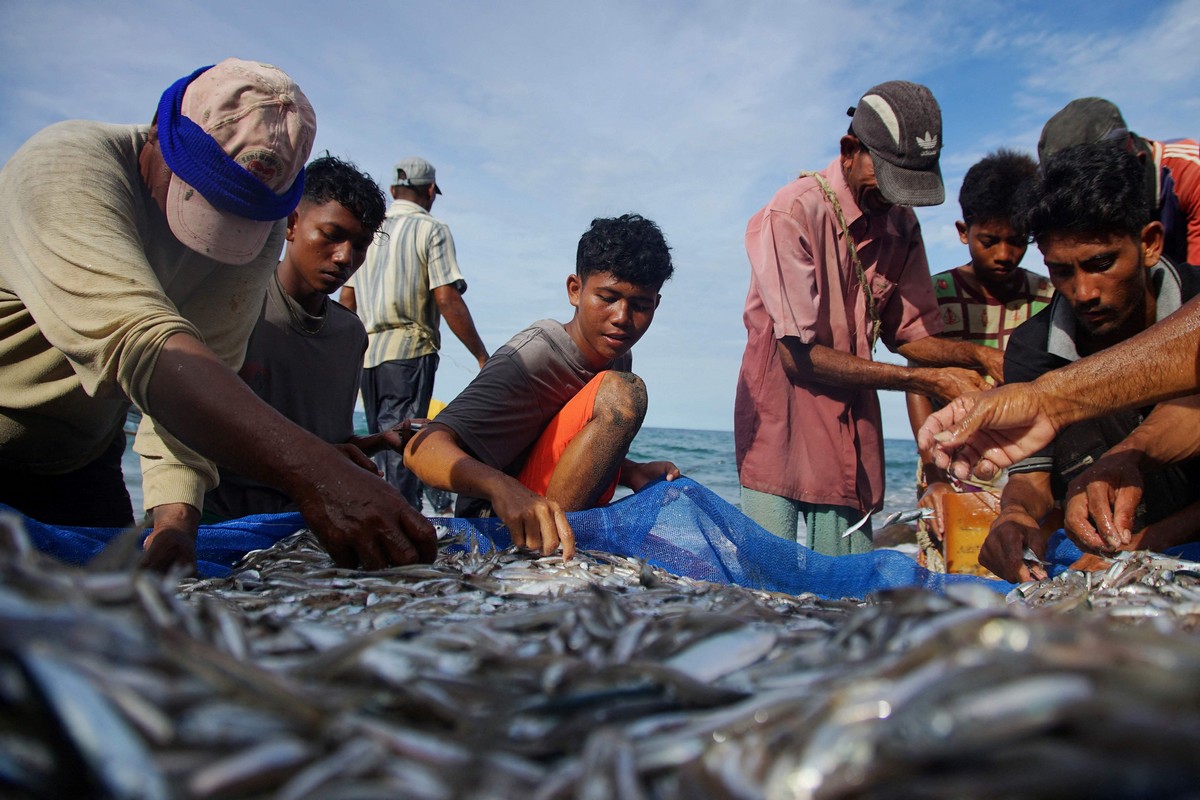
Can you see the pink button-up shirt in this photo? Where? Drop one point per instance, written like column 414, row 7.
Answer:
column 812, row 442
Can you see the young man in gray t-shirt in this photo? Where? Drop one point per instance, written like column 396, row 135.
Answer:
column 546, row 425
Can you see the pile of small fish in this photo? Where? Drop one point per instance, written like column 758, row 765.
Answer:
column 500, row 674
column 1136, row 585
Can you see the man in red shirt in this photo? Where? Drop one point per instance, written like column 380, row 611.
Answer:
column 1172, row 168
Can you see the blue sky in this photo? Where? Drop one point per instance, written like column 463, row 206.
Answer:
column 540, row 116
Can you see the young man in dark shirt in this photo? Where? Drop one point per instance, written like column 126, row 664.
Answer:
column 305, row 355
column 1089, row 216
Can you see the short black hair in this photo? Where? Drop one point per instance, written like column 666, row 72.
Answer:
column 992, row 186
column 329, row 178
column 630, row 247
column 1094, row 188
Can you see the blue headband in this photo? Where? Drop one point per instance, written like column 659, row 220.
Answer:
column 196, row 157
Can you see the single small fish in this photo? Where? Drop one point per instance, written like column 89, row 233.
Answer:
column 895, row 518
column 1028, row 555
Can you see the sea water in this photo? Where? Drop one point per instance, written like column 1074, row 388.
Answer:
column 707, row 458
column 704, row 456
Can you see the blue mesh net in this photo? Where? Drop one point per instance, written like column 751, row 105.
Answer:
column 679, row 525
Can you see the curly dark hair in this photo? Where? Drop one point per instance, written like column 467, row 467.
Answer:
column 1088, row 188
column 329, row 178
column 630, row 247
column 992, row 186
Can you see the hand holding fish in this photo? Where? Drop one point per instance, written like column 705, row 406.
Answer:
column 982, row 433
column 931, row 501
column 535, row 522
column 1101, row 502
column 362, row 520
column 1003, row 551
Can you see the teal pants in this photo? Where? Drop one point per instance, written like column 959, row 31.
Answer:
column 823, row 524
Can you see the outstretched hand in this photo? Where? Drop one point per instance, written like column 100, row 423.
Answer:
column 1101, row 502
column 395, row 438
column 982, row 433
column 951, row 382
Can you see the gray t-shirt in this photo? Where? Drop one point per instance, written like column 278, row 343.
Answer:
column 503, row 411
column 306, row 368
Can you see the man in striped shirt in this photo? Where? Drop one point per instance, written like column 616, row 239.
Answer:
column 409, row 282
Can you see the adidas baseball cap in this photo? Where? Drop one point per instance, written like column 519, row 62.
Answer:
column 900, row 123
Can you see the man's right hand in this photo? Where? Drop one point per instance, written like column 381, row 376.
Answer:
column 947, row 383
column 362, row 521
column 1107, row 494
column 535, row 522
column 1003, row 551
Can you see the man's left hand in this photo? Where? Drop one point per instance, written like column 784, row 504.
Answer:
column 172, row 541
column 1101, row 502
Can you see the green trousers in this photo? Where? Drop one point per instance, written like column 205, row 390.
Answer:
column 823, row 524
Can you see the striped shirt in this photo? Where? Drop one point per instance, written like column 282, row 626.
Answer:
column 1178, row 164
column 394, row 287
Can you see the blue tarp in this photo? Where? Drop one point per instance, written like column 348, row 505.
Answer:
column 679, row 525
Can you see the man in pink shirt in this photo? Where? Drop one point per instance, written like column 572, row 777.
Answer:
column 807, row 425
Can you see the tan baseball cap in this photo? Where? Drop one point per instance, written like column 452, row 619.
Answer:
column 223, row 201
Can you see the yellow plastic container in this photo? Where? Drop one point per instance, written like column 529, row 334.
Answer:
column 968, row 517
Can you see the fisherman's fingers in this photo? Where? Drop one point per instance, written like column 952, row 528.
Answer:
column 1125, row 506
column 565, row 534
column 1077, row 515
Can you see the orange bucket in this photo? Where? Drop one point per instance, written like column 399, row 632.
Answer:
column 969, row 515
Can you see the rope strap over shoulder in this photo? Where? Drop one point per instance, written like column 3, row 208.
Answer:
column 852, row 249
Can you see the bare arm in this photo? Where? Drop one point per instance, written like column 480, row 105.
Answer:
column 359, row 518
column 934, row 351
column 1025, row 502
column 458, row 317
column 989, row 431
column 436, row 457
column 348, row 299
column 807, row 363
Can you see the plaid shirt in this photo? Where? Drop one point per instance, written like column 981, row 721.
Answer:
column 970, row 315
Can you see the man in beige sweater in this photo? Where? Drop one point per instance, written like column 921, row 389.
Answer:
column 133, row 261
